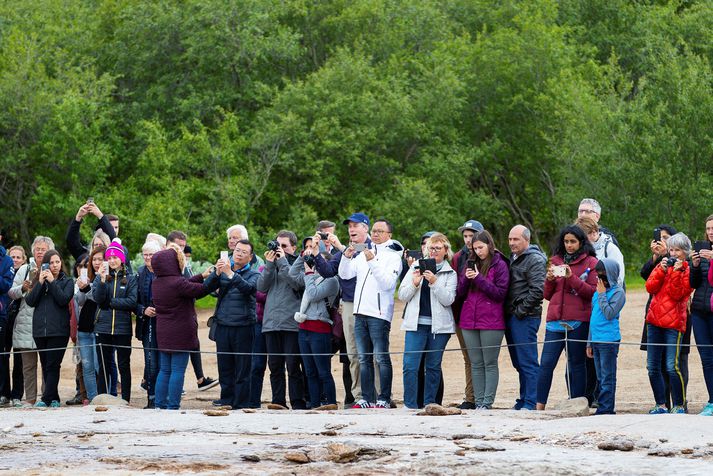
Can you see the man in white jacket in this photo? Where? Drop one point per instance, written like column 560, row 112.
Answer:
column 377, row 270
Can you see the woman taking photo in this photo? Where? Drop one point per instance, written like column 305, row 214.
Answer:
column 701, row 313
column 114, row 291
column 484, row 286
column 428, row 319
column 569, row 287
column 51, row 294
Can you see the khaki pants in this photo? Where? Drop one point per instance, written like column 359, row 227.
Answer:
column 348, row 322
column 468, row 373
column 29, row 375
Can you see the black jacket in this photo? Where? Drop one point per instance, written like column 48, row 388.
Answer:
column 144, row 279
column 74, row 241
column 527, row 283
column 115, row 303
column 236, row 297
column 51, row 303
column 699, row 281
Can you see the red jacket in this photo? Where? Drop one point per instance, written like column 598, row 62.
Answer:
column 571, row 298
column 670, row 290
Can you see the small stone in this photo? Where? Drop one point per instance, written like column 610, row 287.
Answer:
column 433, row 409
column 467, row 436
column 334, row 426
column 577, row 406
column 616, row 444
column 226, row 408
column 111, row 448
column 36, row 435
column 663, row 440
column 414, row 454
column 216, row 413
column 101, row 409
column 248, row 410
column 19, row 425
column 110, row 400
column 329, row 433
column 661, row 452
column 331, row 406
column 522, row 437
column 341, row 453
column 460, row 453
column 297, row 457
column 251, row 458
column 486, row 447
column 687, row 451
column 275, row 427
column 275, row 406
column 354, row 423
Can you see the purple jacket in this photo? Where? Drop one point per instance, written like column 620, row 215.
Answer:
column 174, row 299
column 484, row 296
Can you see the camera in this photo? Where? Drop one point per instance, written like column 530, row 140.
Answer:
column 323, row 236
column 309, row 260
column 273, row 245
column 670, row 262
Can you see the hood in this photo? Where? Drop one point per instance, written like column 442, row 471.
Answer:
column 601, row 241
column 165, row 263
column 612, row 269
column 533, row 249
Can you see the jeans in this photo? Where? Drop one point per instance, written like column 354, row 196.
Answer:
column 372, row 339
column 605, row 356
column 576, row 353
column 285, row 342
column 51, row 361
column 88, row 352
column 671, row 355
column 483, row 349
column 257, row 366
column 703, row 331
column 121, row 344
column 234, row 370
column 521, row 334
column 318, row 368
column 415, row 342
column 169, row 383
column 151, row 357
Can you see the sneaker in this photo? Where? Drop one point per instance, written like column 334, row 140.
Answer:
column 362, row 404
column 77, row 400
column 17, row 403
column 518, row 406
column 382, row 404
column 484, row 407
column 658, row 409
column 54, row 404
column 467, row 406
column 678, row 409
column 220, row 403
column 40, row 404
column 707, row 410
column 206, row 384
column 4, row 401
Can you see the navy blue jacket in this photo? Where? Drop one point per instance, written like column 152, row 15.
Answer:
column 236, row 297
column 698, row 278
column 115, row 303
column 7, row 273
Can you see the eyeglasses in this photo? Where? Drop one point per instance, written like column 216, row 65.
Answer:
column 379, row 232
column 436, row 249
column 241, row 252
column 284, row 247
column 585, row 211
column 147, row 256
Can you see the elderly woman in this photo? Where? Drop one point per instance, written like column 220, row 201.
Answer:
column 669, row 284
column 428, row 319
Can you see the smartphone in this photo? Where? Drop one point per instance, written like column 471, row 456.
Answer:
column 90, row 201
column 559, row 271
column 428, row 264
column 106, row 267
column 415, row 254
column 470, row 264
column 698, row 246
column 360, row 246
column 83, row 274
column 45, row 266
column 657, row 234
column 224, row 256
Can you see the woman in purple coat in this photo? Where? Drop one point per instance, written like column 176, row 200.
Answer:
column 484, row 286
column 176, row 322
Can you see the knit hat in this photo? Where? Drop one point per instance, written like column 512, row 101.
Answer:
column 115, row 249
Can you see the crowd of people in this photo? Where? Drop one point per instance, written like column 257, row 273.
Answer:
column 291, row 310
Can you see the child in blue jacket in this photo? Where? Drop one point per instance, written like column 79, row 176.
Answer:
column 604, row 334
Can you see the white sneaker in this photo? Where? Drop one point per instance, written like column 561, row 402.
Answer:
column 17, row 403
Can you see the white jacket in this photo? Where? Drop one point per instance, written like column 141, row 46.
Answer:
column 22, row 332
column 605, row 248
column 376, row 280
column 443, row 293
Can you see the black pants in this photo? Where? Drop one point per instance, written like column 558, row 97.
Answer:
column 51, row 361
column 109, row 343
column 197, row 363
column 15, row 390
column 234, row 370
column 285, row 342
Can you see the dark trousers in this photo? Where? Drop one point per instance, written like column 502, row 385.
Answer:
column 109, row 344
column 257, row 366
column 234, row 370
column 703, row 330
column 151, row 358
column 285, row 342
column 11, row 389
column 51, row 361
column 197, row 363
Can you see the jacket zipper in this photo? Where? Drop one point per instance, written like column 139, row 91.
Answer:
column 113, row 311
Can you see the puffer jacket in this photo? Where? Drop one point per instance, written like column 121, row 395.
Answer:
column 51, row 303
column 527, row 282
column 671, row 290
column 237, row 302
column 571, row 298
column 22, row 332
column 442, row 294
column 115, row 303
column 703, row 289
column 483, row 307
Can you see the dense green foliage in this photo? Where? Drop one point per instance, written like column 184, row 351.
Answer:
column 197, row 114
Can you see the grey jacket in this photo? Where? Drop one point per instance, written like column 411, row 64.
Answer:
column 284, row 293
column 527, row 283
column 317, row 290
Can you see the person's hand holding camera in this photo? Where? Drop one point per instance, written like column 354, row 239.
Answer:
column 664, row 264
column 658, row 248
column 26, row 285
column 430, row 277
column 417, row 277
column 567, row 271
column 271, row 256
column 678, row 266
column 696, row 259
column 550, row 273
column 82, row 212
column 334, row 241
column 43, row 276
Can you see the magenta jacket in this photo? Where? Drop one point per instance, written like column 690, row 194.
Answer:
column 484, row 305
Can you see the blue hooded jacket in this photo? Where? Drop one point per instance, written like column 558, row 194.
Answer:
column 606, row 308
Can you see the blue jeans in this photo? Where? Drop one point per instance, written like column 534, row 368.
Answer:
column 318, row 368
column 605, row 356
column 234, row 370
column 521, row 334
column 671, row 356
column 703, row 332
column 90, row 364
column 257, row 366
column 169, row 383
column 576, row 355
column 151, row 356
column 372, row 340
column 415, row 342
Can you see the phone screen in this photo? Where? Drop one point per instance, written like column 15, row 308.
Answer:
column 224, row 255
column 415, row 254
column 698, row 246
column 657, row 234
column 83, row 273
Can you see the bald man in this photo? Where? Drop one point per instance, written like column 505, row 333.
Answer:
column 528, row 268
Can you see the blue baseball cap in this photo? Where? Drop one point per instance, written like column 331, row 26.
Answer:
column 357, row 218
column 473, row 225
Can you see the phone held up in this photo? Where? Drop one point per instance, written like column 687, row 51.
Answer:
column 559, row 271
column 699, row 246
column 360, row 246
